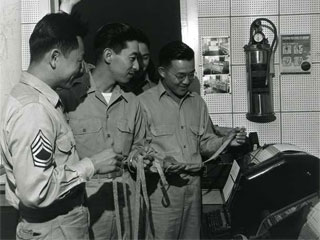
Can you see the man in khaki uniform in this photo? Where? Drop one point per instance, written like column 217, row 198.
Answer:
column 45, row 179
column 179, row 127
column 102, row 115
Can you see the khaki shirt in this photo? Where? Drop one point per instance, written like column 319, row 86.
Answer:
column 98, row 125
column 38, row 147
column 184, row 130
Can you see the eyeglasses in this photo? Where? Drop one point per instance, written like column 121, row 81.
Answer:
column 182, row 76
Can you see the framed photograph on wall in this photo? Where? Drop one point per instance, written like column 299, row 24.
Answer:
column 216, row 76
column 295, row 54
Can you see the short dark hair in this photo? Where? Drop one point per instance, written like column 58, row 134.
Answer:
column 114, row 36
column 56, row 30
column 175, row 50
column 142, row 37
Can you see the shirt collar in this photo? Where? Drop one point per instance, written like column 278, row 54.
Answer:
column 92, row 85
column 162, row 90
column 117, row 91
column 42, row 87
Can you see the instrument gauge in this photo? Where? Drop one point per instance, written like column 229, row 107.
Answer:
column 258, row 37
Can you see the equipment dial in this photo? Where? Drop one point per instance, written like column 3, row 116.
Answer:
column 258, row 37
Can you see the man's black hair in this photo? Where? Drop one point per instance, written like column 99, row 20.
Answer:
column 142, row 37
column 56, row 30
column 114, row 36
column 175, row 50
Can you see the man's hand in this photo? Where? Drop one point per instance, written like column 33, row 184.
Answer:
column 67, row 5
column 147, row 161
column 107, row 161
column 171, row 165
column 138, row 155
column 240, row 138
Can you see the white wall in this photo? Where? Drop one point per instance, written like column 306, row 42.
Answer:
column 10, row 46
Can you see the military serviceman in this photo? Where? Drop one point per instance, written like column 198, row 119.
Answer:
column 147, row 76
column 101, row 116
column 180, row 130
column 45, row 179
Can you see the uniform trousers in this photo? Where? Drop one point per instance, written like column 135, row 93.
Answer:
column 100, row 201
column 179, row 216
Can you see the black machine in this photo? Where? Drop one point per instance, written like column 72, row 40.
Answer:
column 218, row 220
column 272, row 197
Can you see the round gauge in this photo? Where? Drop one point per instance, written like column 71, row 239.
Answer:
column 258, row 37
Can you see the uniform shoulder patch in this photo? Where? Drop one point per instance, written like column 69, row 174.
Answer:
column 41, row 150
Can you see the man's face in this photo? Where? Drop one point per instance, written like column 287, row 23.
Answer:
column 71, row 65
column 125, row 64
column 143, row 59
column 178, row 76
column 144, row 53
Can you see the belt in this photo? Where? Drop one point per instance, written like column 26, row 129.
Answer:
column 112, row 175
column 59, row 207
column 108, row 175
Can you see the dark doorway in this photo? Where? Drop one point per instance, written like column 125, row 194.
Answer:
column 159, row 19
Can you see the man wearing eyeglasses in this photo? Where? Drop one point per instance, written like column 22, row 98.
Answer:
column 180, row 131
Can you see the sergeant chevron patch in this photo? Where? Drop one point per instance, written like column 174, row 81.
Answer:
column 41, row 150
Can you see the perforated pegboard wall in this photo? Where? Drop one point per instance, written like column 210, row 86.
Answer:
column 30, row 11
column 304, row 24
column 213, row 8
column 219, row 103
column 240, row 35
column 302, row 129
column 26, row 30
column 214, row 26
column 276, row 89
column 216, row 102
column 199, row 75
column 267, row 132
column 223, row 120
column 239, row 89
column 301, row 92
column 299, row 7
column 254, row 7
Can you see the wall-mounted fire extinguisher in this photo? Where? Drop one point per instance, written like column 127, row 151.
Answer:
column 260, row 71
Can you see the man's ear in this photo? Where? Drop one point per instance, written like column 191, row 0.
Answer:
column 54, row 57
column 107, row 55
column 161, row 72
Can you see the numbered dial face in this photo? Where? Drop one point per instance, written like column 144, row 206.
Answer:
column 258, row 37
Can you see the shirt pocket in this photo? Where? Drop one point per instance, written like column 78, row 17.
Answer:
column 89, row 137
column 65, row 145
column 124, row 137
column 163, row 138
column 87, row 126
column 195, row 134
